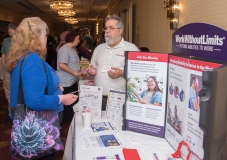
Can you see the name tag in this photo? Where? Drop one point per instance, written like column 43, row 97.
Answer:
column 106, row 67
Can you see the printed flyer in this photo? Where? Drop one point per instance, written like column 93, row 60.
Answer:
column 183, row 104
column 93, row 142
column 116, row 100
column 91, row 99
column 146, row 92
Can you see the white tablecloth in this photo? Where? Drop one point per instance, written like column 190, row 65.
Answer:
column 74, row 151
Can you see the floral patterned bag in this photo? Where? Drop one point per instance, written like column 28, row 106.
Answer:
column 34, row 133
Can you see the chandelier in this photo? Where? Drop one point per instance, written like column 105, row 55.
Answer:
column 61, row 4
column 71, row 20
column 66, row 13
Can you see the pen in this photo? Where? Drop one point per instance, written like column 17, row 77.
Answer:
column 74, row 92
column 104, row 157
column 107, row 157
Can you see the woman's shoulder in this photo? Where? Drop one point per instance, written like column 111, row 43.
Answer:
column 63, row 48
column 33, row 55
column 158, row 93
column 143, row 92
column 33, row 58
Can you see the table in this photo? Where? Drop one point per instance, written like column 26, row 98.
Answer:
column 74, row 151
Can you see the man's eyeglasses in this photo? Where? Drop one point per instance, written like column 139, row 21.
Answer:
column 110, row 28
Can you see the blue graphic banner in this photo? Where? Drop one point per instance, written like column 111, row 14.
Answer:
column 201, row 40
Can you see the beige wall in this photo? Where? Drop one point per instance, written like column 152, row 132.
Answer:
column 206, row 11
column 151, row 27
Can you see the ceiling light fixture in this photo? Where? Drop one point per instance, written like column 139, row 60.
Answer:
column 61, row 4
column 66, row 13
column 71, row 20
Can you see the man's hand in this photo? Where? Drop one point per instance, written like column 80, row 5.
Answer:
column 115, row 73
column 61, row 88
column 91, row 70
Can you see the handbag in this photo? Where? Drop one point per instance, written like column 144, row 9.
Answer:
column 34, row 133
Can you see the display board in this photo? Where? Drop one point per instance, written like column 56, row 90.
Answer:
column 183, row 103
column 206, row 41
column 146, row 77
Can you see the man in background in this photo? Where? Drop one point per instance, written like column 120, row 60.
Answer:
column 6, row 75
column 107, row 62
column 89, row 39
column 1, row 40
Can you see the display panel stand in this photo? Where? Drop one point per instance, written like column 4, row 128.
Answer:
column 146, row 77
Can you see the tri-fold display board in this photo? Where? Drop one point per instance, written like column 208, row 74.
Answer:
column 181, row 97
column 184, row 103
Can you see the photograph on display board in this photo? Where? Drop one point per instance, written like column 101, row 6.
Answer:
column 177, row 92
column 145, row 90
column 194, row 92
column 175, row 117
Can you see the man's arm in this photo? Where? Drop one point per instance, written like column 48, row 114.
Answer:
column 3, row 60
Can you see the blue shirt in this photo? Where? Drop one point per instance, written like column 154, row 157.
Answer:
column 34, row 82
column 192, row 98
column 157, row 97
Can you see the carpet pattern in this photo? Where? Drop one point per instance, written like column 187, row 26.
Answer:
column 5, row 130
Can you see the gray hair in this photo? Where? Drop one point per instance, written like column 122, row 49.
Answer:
column 118, row 19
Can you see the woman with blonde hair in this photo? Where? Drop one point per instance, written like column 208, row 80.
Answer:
column 40, row 85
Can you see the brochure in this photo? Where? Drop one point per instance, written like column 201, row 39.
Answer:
column 116, row 100
column 91, row 99
column 93, row 142
column 101, row 127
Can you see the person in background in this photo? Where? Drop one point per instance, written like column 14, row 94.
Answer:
column 51, row 57
column 62, row 42
column 98, row 40
column 68, row 69
column 144, row 49
column 56, row 38
column 6, row 75
column 30, row 41
column 1, row 40
column 153, row 94
column 83, row 51
column 89, row 39
column 107, row 62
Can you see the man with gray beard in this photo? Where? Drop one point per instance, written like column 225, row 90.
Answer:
column 108, row 59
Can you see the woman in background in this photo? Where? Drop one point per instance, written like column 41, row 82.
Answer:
column 68, row 69
column 62, row 40
column 30, row 40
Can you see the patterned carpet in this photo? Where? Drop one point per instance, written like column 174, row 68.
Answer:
column 5, row 129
